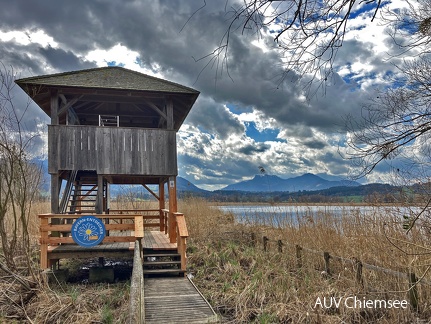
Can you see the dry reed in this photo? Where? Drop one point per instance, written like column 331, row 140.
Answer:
column 245, row 284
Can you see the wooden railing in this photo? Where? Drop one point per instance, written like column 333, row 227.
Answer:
column 182, row 234
column 131, row 222
column 135, row 226
column 149, row 214
column 176, row 228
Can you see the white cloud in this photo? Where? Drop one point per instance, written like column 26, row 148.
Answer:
column 27, row 37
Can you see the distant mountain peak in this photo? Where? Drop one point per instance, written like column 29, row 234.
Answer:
column 307, row 182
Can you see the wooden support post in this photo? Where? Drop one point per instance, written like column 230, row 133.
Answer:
column 265, row 243
column 298, row 256
column 55, row 190
column 172, row 232
column 99, row 199
column 54, row 107
column 413, row 291
column 43, row 244
column 55, row 201
column 107, row 196
column 162, row 205
column 326, row 256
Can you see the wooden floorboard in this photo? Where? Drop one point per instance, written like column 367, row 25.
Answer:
column 175, row 300
column 157, row 240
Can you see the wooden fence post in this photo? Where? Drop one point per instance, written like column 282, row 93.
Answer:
column 280, row 246
column 326, row 256
column 253, row 239
column 265, row 243
column 357, row 265
column 298, row 256
column 413, row 291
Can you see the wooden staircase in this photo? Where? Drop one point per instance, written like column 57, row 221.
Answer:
column 162, row 263
column 80, row 194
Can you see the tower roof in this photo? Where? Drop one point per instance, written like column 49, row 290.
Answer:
column 114, row 84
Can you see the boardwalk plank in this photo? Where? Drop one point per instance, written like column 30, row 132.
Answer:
column 175, row 300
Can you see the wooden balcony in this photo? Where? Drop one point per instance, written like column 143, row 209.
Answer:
column 112, row 150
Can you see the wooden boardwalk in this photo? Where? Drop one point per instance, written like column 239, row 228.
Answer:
column 175, row 300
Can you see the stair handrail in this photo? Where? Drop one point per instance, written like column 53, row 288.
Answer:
column 67, row 191
column 182, row 235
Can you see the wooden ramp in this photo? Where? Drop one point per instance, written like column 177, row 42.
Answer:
column 175, row 300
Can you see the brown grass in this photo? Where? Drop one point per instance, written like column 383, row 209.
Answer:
column 245, row 284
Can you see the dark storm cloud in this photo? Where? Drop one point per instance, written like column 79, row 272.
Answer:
column 64, row 60
column 19, row 58
column 253, row 149
column 161, row 33
column 174, row 42
column 315, row 144
column 214, row 118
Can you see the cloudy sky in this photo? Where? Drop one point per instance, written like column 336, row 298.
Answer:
column 242, row 119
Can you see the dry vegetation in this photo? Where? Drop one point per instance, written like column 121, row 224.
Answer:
column 245, row 284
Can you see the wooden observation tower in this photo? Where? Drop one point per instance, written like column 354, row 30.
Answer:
column 108, row 126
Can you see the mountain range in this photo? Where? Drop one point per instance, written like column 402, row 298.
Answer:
column 272, row 183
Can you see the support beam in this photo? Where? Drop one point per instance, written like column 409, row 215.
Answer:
column 54, row 107
column 150, row 191
column 55, row 192
column 67, row 105
column 172, row 208
column 169, row 113
column 99, row 201
column 162, row 205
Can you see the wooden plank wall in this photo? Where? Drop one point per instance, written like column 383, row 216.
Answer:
column 112, row 150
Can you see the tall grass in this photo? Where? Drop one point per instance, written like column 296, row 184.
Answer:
column 246, row 284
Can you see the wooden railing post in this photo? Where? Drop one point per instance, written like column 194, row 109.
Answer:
column 139, row 226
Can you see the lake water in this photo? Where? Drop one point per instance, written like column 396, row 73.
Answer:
column 281, row 215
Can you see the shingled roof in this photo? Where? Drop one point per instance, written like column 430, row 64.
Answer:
column 114, row 77
column 121, row 91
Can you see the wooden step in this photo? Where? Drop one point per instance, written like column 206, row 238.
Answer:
column 163, row 271
column 161, row 263
column 87, row 200
column 90, row 211
column 162, row 255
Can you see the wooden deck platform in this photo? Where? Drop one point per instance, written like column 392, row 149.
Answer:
column 157, row 240
column 175, row 300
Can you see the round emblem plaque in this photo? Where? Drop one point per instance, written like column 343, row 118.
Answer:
column 88, row 231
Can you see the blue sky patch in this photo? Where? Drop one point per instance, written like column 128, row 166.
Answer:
column 267, row 135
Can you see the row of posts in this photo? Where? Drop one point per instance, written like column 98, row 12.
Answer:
column 357, row 266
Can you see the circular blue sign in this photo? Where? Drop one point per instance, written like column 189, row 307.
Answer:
column 88, row 231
